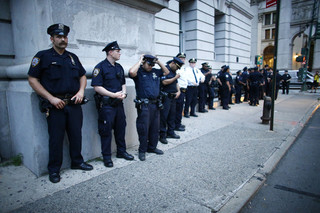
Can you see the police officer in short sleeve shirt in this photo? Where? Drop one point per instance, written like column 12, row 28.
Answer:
column 108, row 80
column 147, row 85
column 58, row 76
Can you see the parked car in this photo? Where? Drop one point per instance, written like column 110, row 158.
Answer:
column 294, row 82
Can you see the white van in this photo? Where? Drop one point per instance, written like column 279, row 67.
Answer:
column 294, row 82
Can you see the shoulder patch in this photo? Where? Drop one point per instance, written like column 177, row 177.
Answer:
column 35, row 61
column 95, row 72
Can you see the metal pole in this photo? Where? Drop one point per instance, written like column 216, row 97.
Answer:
column 274, row 79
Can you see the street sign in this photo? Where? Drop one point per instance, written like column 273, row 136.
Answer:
column 270, row 3
column 259, row 60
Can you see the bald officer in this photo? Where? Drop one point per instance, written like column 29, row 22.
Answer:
column 59, row 78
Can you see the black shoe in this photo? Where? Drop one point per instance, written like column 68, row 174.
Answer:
column 212, row 108
column 180, row 129
column 54, row 177
column 194, row 115
column 156, row 150
column 163, row 140
column 174, row 136
column 142, row 156
column 108, row 163
column 183, row 126
column 125, row 155
column 186, row 116
column 83, row 166
column 225, row 108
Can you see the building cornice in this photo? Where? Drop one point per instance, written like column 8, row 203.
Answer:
column 242, row 11
column 151, row 6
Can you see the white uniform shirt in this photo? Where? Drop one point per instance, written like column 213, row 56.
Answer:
column 182, row 80
column 191, row 77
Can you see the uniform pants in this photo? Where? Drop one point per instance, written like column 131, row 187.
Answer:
column 211, row 97
column 148, row 123
column 238, row 94
column 179, row 109
column 254, row 95
column 112, row 118
column 167, row 117
column 285, row 87
column 191, row 100
column 225, row 96
column 202, row 93
column 69, row 119
column 246, row 93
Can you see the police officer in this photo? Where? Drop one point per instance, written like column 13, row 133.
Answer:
column 245, row 76
column 211, row 89
column 109, row 81
column 203, row 89
column 238, row 86
column 194, row 77
column 232, row 91
column 255, row 79
column 147, row 84
column 286, row 77
column 170, row 92
column 59, row 78
column 219, row 83
column 183, row 83
column 225, row 87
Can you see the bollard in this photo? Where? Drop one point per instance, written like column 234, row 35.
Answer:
column 266, row 110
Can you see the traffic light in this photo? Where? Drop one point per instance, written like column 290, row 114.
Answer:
column 301, row 58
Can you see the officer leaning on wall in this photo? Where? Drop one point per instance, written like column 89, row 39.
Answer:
column 108, row 81
column 58, row 77
column 148, row 103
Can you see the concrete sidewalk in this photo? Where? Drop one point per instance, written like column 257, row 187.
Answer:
column 219, row 162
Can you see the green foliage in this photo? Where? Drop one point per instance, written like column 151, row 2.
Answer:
column 14, row 161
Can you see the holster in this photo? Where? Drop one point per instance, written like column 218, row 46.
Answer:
column 108, row 101
column 44, row 105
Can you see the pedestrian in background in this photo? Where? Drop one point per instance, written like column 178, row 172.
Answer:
column 108, row 81
column 148, row 103
column 315, row 82
column 58, row 77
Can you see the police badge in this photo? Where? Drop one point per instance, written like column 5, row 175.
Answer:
column 154, row 76
column 95, row 72
column 35, row 61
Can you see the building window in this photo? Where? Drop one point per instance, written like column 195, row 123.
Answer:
column 267, row 19
column 274, row 20
column 273, row 33
column 267, row 34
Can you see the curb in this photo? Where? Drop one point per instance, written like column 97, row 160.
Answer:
column 245, row 193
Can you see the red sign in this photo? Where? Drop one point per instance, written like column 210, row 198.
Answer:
column 270, row 3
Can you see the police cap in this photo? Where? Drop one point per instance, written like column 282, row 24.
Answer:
column 150, row 59
column 245, row 68
column 225, row 68
column 192, row 60
column 58, row 29
column 112, row 46
column 205, row 64
column 238, row 71
column 178, row 62
column 181, row 55
column 222, row 67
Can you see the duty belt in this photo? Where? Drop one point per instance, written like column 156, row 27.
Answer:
column 183, row 90
column 65, row 97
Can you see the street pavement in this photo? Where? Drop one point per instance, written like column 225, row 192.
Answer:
column 222, row 158
column 294, row 186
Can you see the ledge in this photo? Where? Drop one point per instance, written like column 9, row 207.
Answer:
column 151, row 6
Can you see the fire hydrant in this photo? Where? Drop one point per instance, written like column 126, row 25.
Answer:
column 266, row 110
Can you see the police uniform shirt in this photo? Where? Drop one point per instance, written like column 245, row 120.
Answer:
column 58, row 74
column 193, row 75
column 230, row 78
column 255, row 77
column 108, row 76
column 182, row 80
column 224, row 78
column 170, row 88
column 286, row 77
column 207, row 77
column 147, row 84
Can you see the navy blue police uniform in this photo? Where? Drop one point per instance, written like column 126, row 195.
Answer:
column 111, row 113
column 232, row 87
column 225, row 92
column 238, row 87
column 203, row 87
column 168, row 113
column 245, row 76
column 147, row 85
column 59, row 75
column 285, row 82
column 255, row 79
column 211, row 92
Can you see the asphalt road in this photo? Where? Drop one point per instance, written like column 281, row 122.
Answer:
column 294, row 186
